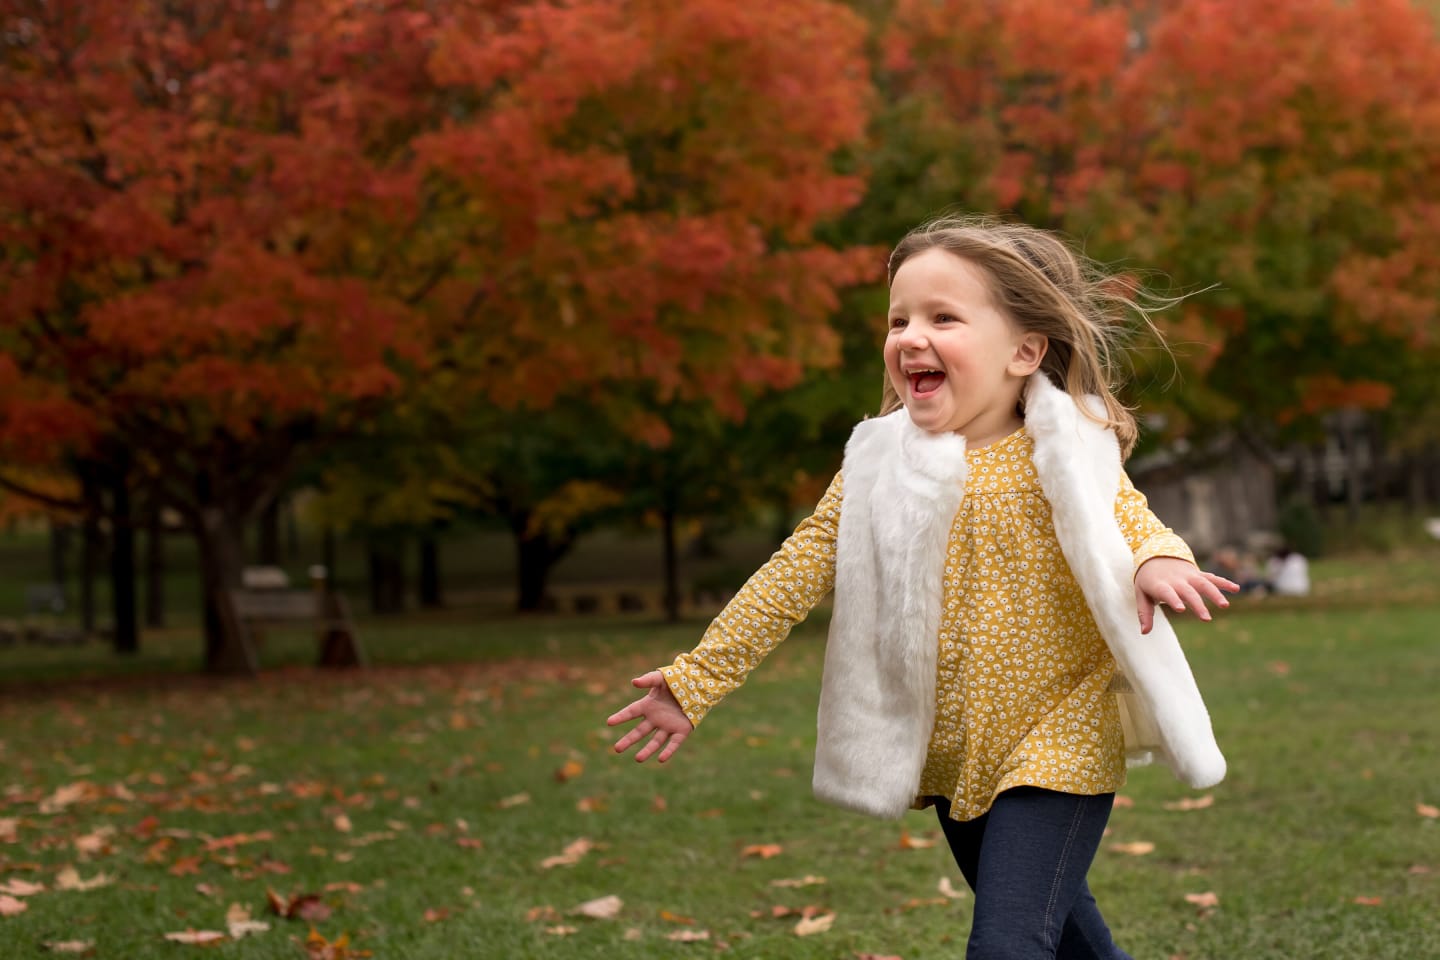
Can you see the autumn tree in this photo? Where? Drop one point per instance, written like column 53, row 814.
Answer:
column 202, row 209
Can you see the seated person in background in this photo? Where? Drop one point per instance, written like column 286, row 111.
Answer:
column 1288, row 572
column 1232, row 565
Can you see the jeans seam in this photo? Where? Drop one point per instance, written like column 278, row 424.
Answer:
column 1059, row 871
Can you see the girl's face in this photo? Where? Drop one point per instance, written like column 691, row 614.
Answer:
column 956, row 361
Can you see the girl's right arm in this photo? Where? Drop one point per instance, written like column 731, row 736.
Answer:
column 775, row 598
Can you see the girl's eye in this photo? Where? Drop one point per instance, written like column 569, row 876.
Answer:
column 943, row 318
column 897, row 322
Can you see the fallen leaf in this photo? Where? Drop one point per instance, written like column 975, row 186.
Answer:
column 659, row 805
column 197, row 937
column 1192, row 803
column 1123, row 802
column 1279, row 668
column 601, row 908
column 569, row 771
column 9, row 829
column 342, row 823
column 762, row 850
column 633, row 933
column 571, row 855
column 9, row 906
column 318, row 948
column 238, row 922
column 1135, row 848
column 471, row 843
column 592, row 805
column 561, row 931
column 946, row 888
column 69, row 879
column 185, row 865
column 514, row 801
column 1426, row 810
column 908, row 842
column 806, row 881
column 1369, row 901
column 688, row 936
column 21, row 888
column 813, row 925
column 878, row 956
column 435, row 915
column 69, row 946
column 546, row 912
column 97, row 842
column 1203, row 900
column 207, row 890
column 1419, row 870
column 915, row 903
column 711, row 814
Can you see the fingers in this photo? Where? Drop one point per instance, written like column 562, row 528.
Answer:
column 634, row 736
column 1147, row 610
column 649, row 749
column 675, row 740
column 652, row 679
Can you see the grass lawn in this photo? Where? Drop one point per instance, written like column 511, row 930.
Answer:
column 420, row 803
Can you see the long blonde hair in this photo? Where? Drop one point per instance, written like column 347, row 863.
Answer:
column 1045, row 287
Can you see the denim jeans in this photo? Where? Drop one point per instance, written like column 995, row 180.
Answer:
column 1026, row 859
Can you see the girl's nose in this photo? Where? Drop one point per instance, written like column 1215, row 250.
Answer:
column 913, row 339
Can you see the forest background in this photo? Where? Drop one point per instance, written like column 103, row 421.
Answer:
column 397, row 272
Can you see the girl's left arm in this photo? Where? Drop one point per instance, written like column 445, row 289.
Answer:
column 1165, row 568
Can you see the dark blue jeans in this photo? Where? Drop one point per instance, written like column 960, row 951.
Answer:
column 1026, row 859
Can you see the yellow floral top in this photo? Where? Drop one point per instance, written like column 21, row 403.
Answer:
column 1022, row 672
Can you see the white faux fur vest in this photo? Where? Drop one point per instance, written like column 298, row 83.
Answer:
column 903, row 487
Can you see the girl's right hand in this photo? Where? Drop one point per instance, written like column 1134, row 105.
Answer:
column 659, row 714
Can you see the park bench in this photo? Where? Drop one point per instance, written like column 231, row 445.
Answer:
column 339, row 642
column 42, row 622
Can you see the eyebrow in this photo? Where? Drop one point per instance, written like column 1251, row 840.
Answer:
column 931, row 304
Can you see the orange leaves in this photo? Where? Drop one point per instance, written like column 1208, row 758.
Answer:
column 762, row 850
column 1135, row 848
column 1427, row 810
column 571, row 855
column 1192, row 803
column 908, row 842
column 11, row 906
column 306, row 906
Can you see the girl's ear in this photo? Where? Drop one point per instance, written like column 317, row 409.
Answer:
column 1029, row 351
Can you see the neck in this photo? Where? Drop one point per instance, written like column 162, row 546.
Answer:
column 992, row 433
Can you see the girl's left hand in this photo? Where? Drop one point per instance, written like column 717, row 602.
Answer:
column 1178, row 584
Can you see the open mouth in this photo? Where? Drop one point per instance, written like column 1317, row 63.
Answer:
column 925, row 382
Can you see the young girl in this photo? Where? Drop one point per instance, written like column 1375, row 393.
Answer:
column 996, row 650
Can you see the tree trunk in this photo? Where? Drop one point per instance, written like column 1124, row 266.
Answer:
column 269, row 545
column 122, row 560
column 535, row 556
column 1354, row 472
column 430, row 592
column 155, row 567
column 90, row 547
column 228, row 648
column 672, row 566
column 387, row 574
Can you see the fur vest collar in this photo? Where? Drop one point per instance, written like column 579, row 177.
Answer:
column 903, row 487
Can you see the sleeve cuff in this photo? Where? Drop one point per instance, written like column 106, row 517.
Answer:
column 1165, row 544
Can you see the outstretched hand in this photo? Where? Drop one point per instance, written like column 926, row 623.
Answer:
column 1180, row 585
column 660, row 718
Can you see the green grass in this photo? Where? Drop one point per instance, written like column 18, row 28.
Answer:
column 1325, row 710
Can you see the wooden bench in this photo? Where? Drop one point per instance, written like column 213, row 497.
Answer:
column 340, row 645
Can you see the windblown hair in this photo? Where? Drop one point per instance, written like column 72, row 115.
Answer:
column 1045, row 287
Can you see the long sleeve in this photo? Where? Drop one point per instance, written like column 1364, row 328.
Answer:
column 1146, row 534
column 775, row 598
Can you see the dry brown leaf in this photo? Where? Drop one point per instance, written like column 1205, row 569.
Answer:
column 592, row 805
column 1279, row 668
column 878, row 956
column 436, row 914
column 10, row 906
column 688, row 936
column 1369, row 901
column 516, row 800
column 1135, row 848
column 69, row 946
column 948, row 889
column 561, row 931
column 1192, row 803
column 196, row 937
column 9, row 829
column 1426, row 810
column 1123, row 802
column 1205, row 900
column 97, row 842
column 318, row 948
column 601, row 908
column 806, row 881
column 21, row 888
column 633, row 933
column 184, row 866
column 342, row 823
column 571, row 855
column 546, row 913
column 1419, row 870
column 569, row 771
column 669, row 917
column 915, row 903
column 69, row 879
column 238, row 922
column 762, row 850
column 908, row 842
column 810, row 926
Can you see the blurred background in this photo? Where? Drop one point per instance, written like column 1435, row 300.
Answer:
column 495, row 306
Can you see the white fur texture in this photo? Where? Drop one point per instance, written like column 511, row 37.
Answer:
column 903, row 487
column 877, row 700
